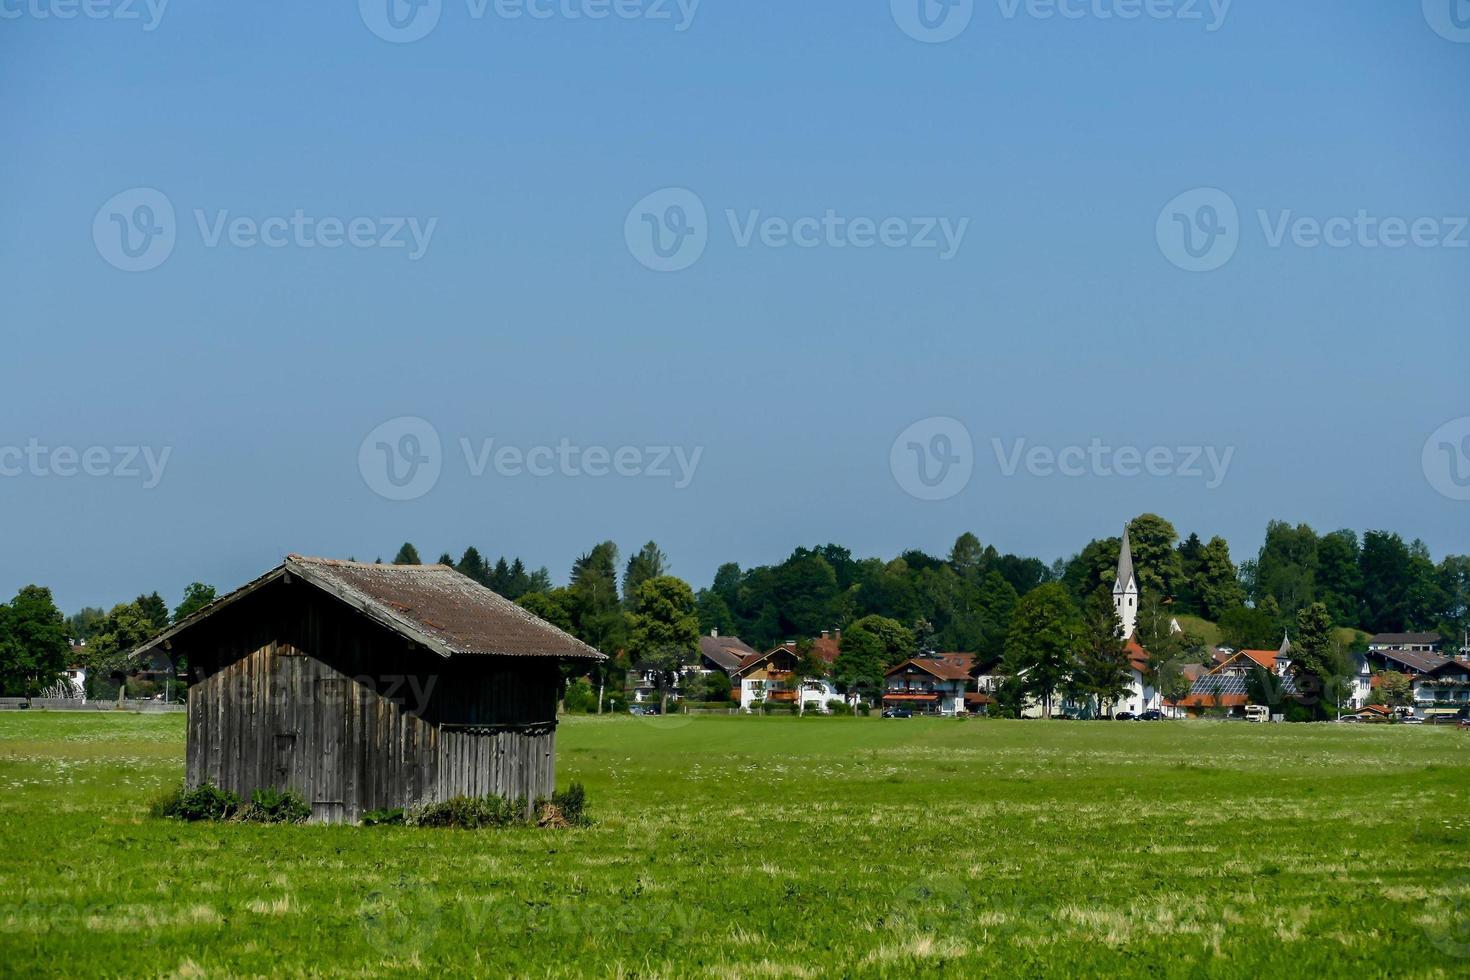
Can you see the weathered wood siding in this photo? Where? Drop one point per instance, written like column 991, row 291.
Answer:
column 289, row 689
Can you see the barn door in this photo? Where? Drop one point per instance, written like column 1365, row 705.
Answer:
column 330, row 716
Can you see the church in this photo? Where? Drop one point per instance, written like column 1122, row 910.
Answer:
column 1141, row 694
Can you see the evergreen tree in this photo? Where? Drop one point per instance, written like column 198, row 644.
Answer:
column 471, row 565
column 407, row 555
column 647, row 563
column 998, row 600
column 446, row 559
column 967, row 555
column 1339, row 579
column 1102, row 672
column 1191, row 567
column 1387, row 571
column 1216, row 585
column 1320, row 667
column 156, row 610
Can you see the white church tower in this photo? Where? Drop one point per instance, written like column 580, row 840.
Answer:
column 1125, row 588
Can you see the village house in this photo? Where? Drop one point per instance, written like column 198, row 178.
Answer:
column 1227, row 686
column 771, row 677
column 364, row 687
column 1440, row 685
column 936, row 684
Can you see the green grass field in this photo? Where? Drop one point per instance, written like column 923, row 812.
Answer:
column 764, row 846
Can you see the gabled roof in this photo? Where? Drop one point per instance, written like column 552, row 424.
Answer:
column 727, row 652
column 433, row 605
column 824, row 648
column 1125, row 575
column 1405, row 639
column 1418, row 662
column 1261, row 658
column 946, row 666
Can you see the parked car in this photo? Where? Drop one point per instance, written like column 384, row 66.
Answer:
column 1152, row 714
column 644, row 709
column 1125, row 716
column 1411, row 720
column 897, row 713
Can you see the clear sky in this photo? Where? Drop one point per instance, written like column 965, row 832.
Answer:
column 1059, row 311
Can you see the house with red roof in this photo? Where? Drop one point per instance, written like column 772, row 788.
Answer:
column 936, row 684
column 1226, row 685
column 772, row 677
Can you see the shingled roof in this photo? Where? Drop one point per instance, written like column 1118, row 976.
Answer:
column 434, row 605
column 726, row 651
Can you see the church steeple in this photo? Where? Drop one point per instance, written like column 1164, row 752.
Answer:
column 1125, row 588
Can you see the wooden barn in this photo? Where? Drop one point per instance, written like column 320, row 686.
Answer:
column 365, row 687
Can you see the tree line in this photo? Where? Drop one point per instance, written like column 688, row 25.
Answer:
column 966, row 600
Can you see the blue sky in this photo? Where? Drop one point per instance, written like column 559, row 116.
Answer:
column 528, row 319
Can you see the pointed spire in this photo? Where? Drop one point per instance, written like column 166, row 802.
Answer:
column 1125, row 576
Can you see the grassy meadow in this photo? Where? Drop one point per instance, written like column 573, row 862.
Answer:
column 776, row 846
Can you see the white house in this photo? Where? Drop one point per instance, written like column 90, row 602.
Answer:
column 770, row 678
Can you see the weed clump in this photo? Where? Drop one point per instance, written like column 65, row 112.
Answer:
column 209, row 802
column 275, row 806
column 566, row 809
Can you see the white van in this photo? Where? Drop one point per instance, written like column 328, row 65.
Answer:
column 1257, row 712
